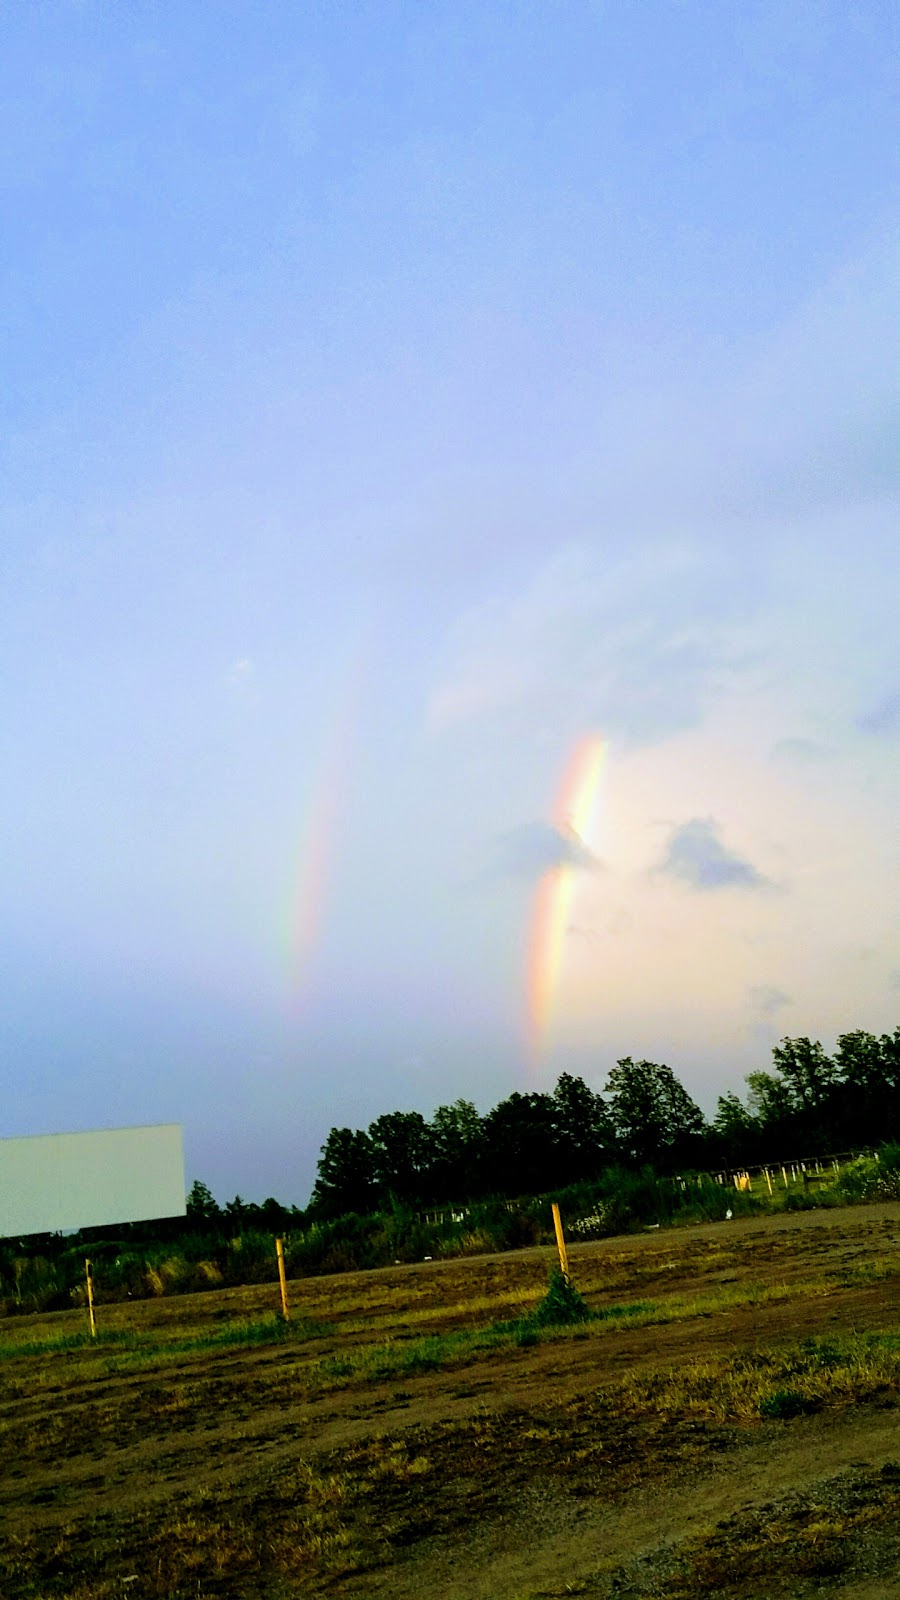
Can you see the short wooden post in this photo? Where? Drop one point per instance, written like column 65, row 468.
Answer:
column 769, row 1180
column 279, row 1251
column 90, row 1295
column 561, row 1242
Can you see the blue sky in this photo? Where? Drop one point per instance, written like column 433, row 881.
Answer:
column 394, row 395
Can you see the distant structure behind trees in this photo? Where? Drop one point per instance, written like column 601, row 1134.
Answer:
column 534, row 1143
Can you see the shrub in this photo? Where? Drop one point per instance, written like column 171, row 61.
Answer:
column 800, row 1200
column 561, row 1306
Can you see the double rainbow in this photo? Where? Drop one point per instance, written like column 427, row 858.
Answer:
column 573, row 817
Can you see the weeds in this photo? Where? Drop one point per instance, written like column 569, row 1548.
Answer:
column 814, row 1374
column 266, row 1330
column 562, row 1305
column 275, row 1522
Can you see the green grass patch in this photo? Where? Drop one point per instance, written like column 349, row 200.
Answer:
column 632, row 1310
column 815, row 1374
column 129, row 1341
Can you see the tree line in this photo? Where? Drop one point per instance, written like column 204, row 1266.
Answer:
column 407, row 1188
column 809, row 1103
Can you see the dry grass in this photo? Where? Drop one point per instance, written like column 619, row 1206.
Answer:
column 768, row 1383
column 197, row 1418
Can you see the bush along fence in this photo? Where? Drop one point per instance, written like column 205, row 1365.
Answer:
column 49, row 1273
column 808, row 1170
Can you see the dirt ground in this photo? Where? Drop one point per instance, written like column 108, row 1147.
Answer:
column 381, row 1447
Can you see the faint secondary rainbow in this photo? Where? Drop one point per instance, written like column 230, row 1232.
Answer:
column 314, row 870
column 573, row 817
column 312, row 876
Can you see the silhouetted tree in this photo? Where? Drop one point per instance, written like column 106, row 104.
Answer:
column 201, row 1208
column 345, row 1180
column 520, row 1147
column 771, row 1101
column 869, row 1071
column 399, row 1145
column 654, row 1117
column 735, row 1131
column 454, row 1144
column 808, row 1072
column 585, row 1138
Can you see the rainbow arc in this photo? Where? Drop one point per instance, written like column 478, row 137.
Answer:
column 573, row 816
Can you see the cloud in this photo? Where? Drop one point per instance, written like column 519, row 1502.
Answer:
column 534, row 848
column 241, row 672
column 697, row 856
column 612, row 927
column 801, row 752
column 766, row 999
column 818, row 408
column 883, row 717
column 636, row 646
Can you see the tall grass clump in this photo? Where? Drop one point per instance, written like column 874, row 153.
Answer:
column 561, row 1306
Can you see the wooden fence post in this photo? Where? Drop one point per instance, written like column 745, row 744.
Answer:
column 279, row 1251
column 560, row 1242
column 90, row 1295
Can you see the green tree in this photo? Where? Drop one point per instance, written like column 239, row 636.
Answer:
column 771, row 1100
column 585, row 1137
column 808, row 1072
column 454, row 1144
column 520, row 1155
column 200, row 1207
column 399, row 1145
column 345, row 1177
column 653, row 1115
column 890, row 1055
column 736, row 1129
column 860, row 1062
column 869, row 1069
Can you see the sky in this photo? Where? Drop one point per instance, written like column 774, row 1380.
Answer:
column 397, row 401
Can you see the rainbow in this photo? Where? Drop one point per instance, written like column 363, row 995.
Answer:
column 313, row 874
column 572, row 816
column 311, row 878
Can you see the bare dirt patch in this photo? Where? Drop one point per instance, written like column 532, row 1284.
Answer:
column 409, row 1435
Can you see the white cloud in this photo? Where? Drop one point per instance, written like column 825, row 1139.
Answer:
column 801, row 752
column 636, row 647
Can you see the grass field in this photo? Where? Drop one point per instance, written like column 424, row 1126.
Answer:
column 724, row 1423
